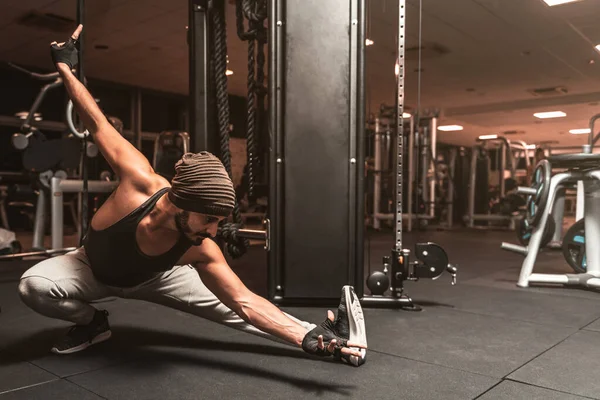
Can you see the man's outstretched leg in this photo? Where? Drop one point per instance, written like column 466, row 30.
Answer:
column 182, row 289
column 61, row 288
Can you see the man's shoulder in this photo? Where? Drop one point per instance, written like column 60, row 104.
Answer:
column 206, row 253
column 145, row 184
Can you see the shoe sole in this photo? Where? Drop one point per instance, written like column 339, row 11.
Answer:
column 98, row 339
column 358, row 332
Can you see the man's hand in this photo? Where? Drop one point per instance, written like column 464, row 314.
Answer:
column 324, row 341
column 66, row 53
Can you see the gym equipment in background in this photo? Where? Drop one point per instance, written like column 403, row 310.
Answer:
column 585, row 260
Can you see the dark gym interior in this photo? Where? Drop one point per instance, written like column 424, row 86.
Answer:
column 438, row 156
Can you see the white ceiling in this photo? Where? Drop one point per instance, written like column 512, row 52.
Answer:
column 497, row 52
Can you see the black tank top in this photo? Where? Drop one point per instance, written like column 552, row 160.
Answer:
column 115, row 257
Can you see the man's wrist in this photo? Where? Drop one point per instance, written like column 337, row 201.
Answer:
column 62, row 67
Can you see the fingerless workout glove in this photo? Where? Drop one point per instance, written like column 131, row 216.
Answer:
column 67, row 53
column 310, row 343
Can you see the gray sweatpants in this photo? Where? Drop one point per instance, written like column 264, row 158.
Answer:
column 62, row 287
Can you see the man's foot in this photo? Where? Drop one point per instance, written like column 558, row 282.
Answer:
column 350, row 324
column 80, row 337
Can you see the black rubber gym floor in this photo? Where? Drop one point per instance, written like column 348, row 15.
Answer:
column 482, row 339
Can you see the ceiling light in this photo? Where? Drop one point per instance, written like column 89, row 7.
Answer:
column 558, row 2
column 598, row 47
column 450, row 128
column 488, row 137
column 550, row 114
column 406, row 115
column 584, row 131
column 229, row 72
column 369, row 42
column 531, row 147
column 397, row 68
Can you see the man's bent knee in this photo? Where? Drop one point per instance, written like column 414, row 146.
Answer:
column 36, row 290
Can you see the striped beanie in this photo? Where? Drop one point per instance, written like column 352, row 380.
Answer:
column 201, row 184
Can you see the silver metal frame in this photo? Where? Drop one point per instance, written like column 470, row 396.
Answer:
column 377, row 166
column 450, row 194
column 580, row 201
column 186, row 145
column 591, row 278
column 59, row 186
column 428, row 176
column 520, row 145
column 558, row 213
column 39, row 225
column 471, row 217
column 411, row 173
column 432, row 162
column 400, row 119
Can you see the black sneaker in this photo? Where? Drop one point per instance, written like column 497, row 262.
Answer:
column 350, row 324
column 80, row 337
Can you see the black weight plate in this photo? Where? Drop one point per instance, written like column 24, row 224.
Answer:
column 541, row 183
column 574, row 247
column 524, row 232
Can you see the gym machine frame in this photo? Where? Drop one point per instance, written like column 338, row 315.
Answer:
column 428, row 168
column 345, row 251
column 582, row 167
column 433, row 259
column 505, row 149
column 60, row 186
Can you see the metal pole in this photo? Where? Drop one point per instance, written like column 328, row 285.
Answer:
column 400, row 119
column 81, row 41
column 523, row 145
column 591, row 139
column 83, row 197
column 56, row 198
column 502, row 168
column 199, row 59
column 377, row 167
column 510, row 159
column 276, row 85
column 360, row 189
column 592, row 226
column 136, row 117
column 356, row 126
column 472, row 180
column 39, row 225
column 19, row 256
column 432, row 182
column 558, row 213
column 425, row 168
column 450, row 195
column 579, row 210
column 60, row 186
column 411, row 173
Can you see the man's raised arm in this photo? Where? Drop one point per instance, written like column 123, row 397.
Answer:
column 125, row 160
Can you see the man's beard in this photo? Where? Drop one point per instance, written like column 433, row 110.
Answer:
column 183, row 228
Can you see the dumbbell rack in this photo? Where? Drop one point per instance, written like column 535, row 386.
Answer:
column 580, row 167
